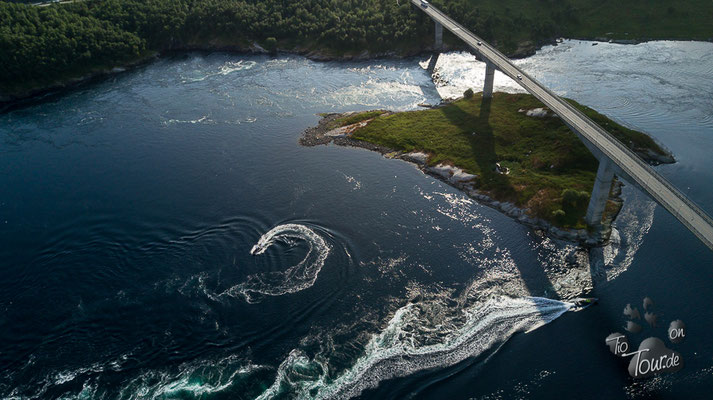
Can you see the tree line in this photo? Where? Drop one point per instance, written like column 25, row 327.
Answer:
column 42, row 45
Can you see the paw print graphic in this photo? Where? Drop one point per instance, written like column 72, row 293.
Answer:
column 652, row 356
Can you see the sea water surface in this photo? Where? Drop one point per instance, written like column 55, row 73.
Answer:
column 165, row 236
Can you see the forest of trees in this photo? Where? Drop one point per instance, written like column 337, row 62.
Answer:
column 43, row 45
column 39, row 45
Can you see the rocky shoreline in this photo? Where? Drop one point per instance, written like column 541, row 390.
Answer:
column 523, row 50
column 11, row 100
column 324, row 133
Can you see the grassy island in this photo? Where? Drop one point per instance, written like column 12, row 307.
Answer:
column 517, row 150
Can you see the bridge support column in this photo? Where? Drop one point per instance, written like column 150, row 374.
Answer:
column 439, row 37
column 600, row 192
column 489, row 77
column 437, row 46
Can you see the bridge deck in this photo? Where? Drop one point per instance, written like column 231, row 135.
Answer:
column 692, row 216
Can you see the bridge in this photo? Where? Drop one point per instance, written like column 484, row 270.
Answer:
column 614, row 158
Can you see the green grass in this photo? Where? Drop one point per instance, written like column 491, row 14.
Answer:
column 544, row 157
column 633, row 139
column 354, row 118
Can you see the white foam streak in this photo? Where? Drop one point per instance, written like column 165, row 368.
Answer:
column 197, row 379
column 631, row 226
column 225, row 69
column 373, row 92
column 296, row 278
column 418, row 337
column 458, row 71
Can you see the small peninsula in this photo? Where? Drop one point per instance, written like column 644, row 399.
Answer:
column 509, row 152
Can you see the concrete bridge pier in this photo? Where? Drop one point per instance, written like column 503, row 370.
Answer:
column 439, row 36
column 489, row 77
column 437, row 46
column 621, row 160
column 600, row 192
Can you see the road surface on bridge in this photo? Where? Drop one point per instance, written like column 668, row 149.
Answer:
column 692, row 216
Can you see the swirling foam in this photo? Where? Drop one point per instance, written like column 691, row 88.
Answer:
column 198, row 379
column 459, row 71
column 193, row 380
column 225, row 69
column 296, row 278
column 419, row 336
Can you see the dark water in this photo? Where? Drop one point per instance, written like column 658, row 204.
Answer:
column 164, row 236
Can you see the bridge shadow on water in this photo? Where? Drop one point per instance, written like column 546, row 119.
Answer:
column 482, row 144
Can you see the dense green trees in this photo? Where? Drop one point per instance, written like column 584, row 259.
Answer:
column 42, row 45
column 36, row 39
column 39, row 45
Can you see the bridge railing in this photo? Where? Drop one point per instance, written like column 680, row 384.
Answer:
column 692, row 205
column 632, row 155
